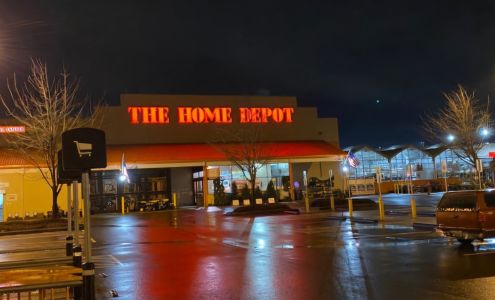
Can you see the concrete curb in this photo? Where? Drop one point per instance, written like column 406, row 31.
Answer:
column 424, row 225
column 38, row 230
column 396, row 213
column 363, row 220
column 35, row 262
column 426, row 214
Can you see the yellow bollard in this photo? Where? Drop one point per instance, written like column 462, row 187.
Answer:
column 174, row 198
column 122, row 204
column 381, row 207
column 413, row 208
column 306, row 203
column 350, row 207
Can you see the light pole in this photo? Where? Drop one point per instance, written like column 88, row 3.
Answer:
column 484, row 132
column 345, row 169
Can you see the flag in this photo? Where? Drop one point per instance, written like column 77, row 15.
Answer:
column 352, row 160
column 123, row 170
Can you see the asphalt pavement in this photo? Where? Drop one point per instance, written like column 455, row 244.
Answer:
column 193, row 253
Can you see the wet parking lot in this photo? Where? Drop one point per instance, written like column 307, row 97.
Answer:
column 201, row 255
column 196, row 254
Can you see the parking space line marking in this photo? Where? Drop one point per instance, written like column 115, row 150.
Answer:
column 480, row 253
column 115, row 260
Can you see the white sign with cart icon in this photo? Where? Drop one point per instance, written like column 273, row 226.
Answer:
column 83, row 148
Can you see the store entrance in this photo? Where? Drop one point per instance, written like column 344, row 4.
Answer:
column 198, row 190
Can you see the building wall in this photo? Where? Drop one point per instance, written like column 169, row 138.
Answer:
column 305, row 126
column 25, row 192
column 32, row 194
column 181, row 183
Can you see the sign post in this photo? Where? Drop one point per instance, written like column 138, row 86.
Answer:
column 69, row 239
column 479, row 168
column 66, row 177
column 82, row 150
column 381, row 207
column 332, row 200
column 444, row 173
column 410, row 170
column 306, row 197
column 76, row 212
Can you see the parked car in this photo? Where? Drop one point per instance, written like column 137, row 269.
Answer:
column 467, row 215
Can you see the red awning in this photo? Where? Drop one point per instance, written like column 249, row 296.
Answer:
column 184, row 153
column 194, row 153
column 12, row 159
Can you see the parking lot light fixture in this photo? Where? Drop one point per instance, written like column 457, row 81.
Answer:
column 484, row 132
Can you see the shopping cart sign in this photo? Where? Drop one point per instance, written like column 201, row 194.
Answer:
column 83, row 149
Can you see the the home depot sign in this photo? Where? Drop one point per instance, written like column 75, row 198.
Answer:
column 219, row 115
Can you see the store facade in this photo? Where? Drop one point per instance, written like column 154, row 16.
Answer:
column 188, row 136
column 169, row 142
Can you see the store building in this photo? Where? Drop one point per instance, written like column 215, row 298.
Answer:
column 423, row 165
column 168, row 143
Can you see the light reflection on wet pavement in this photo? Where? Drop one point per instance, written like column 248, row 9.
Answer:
column 193, row 254
column 199, row 255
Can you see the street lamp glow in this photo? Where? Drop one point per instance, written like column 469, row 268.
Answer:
column 484, row 132
column 345, row 169
column 450, row 137
column 122, row 177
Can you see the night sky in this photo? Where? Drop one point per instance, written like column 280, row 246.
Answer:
column 376, row 65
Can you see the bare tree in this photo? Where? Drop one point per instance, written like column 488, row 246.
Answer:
column 464, row 118
column 244, row 148
column 46, row 107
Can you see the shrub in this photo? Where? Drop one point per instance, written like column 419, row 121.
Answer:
column 246, row 193
column 258, row 193
column 270, row 191
column 219, row 192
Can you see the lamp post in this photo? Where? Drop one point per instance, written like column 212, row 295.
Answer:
column 484, row 132
column 306, row 196
column 332, row 200
column 345, row 169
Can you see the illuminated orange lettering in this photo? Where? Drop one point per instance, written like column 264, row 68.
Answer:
column 278, row 115
column 288, row 114
column 148, row 115
column 226, row 115
column 198, row 115
column 255, row 115
column 245, row 115
column 163, row 115
column 184, row 115
column 189, row 115
column 217, row 115
column 265, row 114
column 133, row 112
